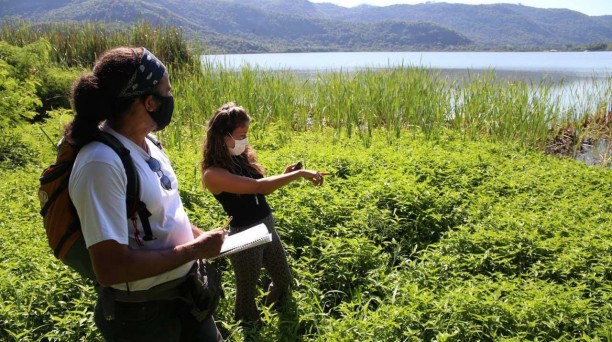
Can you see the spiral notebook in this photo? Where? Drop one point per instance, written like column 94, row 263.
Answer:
column 248, row 238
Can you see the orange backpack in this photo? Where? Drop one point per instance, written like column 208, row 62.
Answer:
column 60, row 218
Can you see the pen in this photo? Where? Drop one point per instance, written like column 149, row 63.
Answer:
column 226, row 224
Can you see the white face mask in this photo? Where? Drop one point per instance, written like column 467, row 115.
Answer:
column 239, row 146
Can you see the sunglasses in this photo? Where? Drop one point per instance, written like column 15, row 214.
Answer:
column 155, row 166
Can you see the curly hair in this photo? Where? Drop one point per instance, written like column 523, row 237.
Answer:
column 95, row 96
column 215, row 152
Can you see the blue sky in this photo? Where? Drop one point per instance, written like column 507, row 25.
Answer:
column 590, row 7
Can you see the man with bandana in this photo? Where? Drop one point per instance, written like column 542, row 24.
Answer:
column 128, row 95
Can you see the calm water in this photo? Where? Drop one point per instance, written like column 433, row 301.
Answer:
column 582, row 79
column 577, row 64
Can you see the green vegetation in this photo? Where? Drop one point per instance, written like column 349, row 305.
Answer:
column 230, row 26
column 599, row 47
column 79, row 44
column 442, row 220
column 401, row 101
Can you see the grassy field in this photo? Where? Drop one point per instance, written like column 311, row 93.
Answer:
column 443, row 219
column 415, row 240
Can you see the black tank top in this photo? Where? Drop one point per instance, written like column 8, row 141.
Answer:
column 245, row 209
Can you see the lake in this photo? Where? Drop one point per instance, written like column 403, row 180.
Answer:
column 574, row 64
column 582, row 79
column 577, row 73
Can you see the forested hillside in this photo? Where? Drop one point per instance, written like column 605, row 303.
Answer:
column 298, row 25
column 497, row 25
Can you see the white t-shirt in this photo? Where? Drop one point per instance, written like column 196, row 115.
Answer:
column 98, row 190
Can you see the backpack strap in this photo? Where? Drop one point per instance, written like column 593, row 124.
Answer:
column 134, row 205
column 155, row 141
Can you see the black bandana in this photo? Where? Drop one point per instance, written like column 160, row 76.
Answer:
column 146, row 77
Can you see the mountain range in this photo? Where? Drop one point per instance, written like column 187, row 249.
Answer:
column 246, row 26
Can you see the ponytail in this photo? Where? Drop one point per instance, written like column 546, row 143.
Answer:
column 91, row 108
column 95, row 96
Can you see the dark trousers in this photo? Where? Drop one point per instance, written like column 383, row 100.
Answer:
column 162, row 320
column 247, row 267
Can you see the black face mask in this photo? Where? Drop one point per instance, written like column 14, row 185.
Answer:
column 163, row 115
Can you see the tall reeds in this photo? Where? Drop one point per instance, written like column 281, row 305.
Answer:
column 400, row 101
column 485, row 105
column 80, row 43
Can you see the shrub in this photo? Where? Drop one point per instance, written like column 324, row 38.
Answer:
column 19, row 77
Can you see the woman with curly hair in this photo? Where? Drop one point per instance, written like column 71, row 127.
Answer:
column 230, row 171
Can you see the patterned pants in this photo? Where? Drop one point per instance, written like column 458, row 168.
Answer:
column 247, row 267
